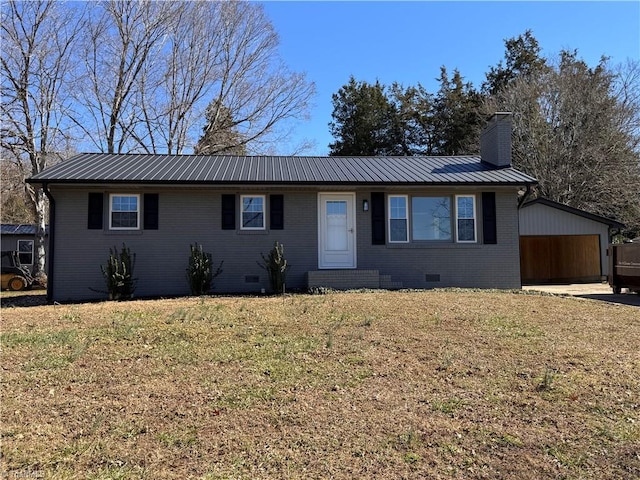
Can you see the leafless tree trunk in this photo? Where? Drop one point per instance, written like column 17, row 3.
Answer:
column 37, row 41
column 152, row 68
column 17, row 206
column 190, row 64
column 120, row 53
column 252, row 84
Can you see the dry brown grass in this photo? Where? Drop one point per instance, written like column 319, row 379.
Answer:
column 385, row 385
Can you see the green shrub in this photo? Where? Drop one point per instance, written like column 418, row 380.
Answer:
column 276, row 266
column 200, row 273
column 118, row 273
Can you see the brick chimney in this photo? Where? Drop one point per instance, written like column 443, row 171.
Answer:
column 495, row 140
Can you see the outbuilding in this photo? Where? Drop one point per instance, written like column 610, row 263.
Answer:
column 21, row 238
column 562, row 244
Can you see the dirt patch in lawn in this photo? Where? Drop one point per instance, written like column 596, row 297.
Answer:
column 437, row 384
column 25, row 298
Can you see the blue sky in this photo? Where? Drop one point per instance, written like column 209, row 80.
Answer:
column 407, row 42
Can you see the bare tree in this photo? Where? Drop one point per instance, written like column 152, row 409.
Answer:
column 190, row 66
column 120, row 52
column 16, row 206
column 37, row 41
column 626, row 89
column 153, row 69
column 251, row 84
column 576, row 131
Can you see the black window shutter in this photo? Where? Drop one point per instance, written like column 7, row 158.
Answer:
column 228, row 212
column 276, row 212
column 150, row 211
column 96, row 207
column 377, row 219
column 489, row 230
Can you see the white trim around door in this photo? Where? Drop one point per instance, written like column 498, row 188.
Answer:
column 336, row 230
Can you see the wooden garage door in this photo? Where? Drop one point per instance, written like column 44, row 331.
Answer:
column 559, row 258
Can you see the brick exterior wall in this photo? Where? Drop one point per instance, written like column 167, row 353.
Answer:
column 189, row 215
column 495, row 140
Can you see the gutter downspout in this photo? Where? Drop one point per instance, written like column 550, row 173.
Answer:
column 52, row 237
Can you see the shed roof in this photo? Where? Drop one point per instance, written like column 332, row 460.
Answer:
column 574, row 211
column 19, row 229
column 227, row 169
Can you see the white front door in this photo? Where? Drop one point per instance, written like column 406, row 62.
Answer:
column 336, row 230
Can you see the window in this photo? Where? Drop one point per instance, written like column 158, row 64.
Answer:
column 398, row 216
column 465, row 218
column 431, row 218
column 252, row 212
column 25, row 252
column 124, row 212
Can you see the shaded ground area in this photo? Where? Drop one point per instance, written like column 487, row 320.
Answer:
column 28, row 298
column 593, row 291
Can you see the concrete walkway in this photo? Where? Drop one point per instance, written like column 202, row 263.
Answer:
column 594, row 291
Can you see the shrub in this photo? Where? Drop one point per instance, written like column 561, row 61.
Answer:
column 276, row 266
column 118, row 273
column 200, row 273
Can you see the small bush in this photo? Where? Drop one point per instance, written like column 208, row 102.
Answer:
column 118, row 273
column 200, row 273
column 276, row 266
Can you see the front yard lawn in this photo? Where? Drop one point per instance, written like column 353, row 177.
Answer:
column 384, row 385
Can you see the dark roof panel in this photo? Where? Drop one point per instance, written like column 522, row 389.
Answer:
column 20, row 229
column 216, row 169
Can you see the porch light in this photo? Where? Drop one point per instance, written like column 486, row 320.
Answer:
column 365, row 205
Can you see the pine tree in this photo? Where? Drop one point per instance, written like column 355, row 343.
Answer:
column 456, row 118
column 522, row 60
column 365, row 122
column 220, row 135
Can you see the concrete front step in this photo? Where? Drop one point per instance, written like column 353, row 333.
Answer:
column 350, row 279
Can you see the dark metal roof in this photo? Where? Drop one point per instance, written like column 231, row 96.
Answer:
column 574, row 211
column 23, row 229
column 226, row 169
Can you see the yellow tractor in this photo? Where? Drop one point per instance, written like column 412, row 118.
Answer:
column 14, row 276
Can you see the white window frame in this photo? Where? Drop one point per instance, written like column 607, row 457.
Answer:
column 406, row 218
column 111, row 196
column 264, row 213
column 21, row 251
column 474, row 218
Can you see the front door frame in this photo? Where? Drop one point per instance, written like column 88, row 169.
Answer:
column 351, row 255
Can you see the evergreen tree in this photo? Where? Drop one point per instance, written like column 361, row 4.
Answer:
column 365, row 121
column 220, row 135
column 373, row 120
column 522, row 60
column 414, row 109
column 456, row 118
